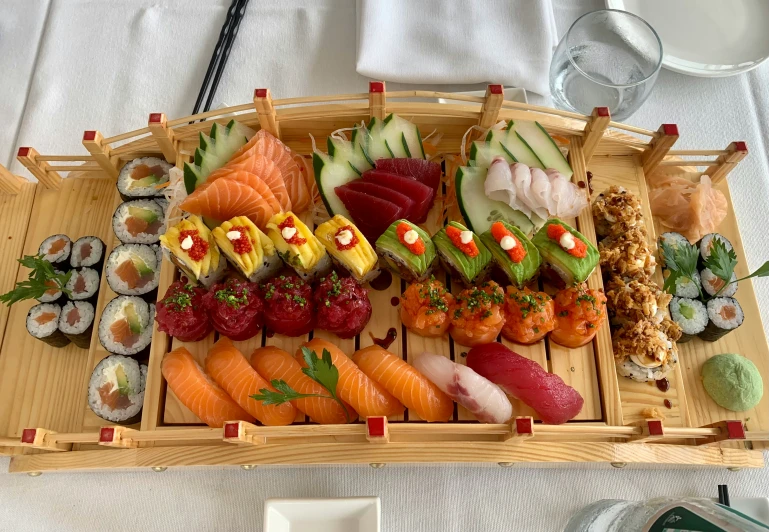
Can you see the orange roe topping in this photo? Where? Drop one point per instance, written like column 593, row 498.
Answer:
column 243, row 244
column 418, row 247
column 296, row 240
column 199, row 246
column 455, row 235
column 556, row 231
column 353, row 242
column 516, row 253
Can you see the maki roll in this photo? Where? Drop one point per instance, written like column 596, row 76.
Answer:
column 711, row 284
column 690, row 314
column 140, row 178
column 76, row 322
column 674, row 240
column 348, row 248
column 247, row 248
column 83, row 285
column 628, row 254
column 56, row 249
column 643, row 352
column 706, row 244
column 133, row 269
column 191, row 247
column 407, row 250
column 235, row 309
column 513, row 252
column 139, row 222
column 297, row 246
column 125, row 327
column 43, row 324
column 724, row 315
column 52, row 294
column 566, row 251
column 687, row 287
column 616, row 210
column 87, row 251
column 462, row 253
column 116, row 389
column 182, row 314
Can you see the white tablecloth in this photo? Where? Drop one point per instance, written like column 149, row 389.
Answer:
column 82, row 64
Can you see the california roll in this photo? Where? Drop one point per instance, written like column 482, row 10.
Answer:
column 139, row 222
column 143, row 178
column 134, row 269
column 116, row 389
column 125, row 327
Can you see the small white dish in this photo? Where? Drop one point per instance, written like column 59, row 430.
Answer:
column 706, row 38
column 512, row 94
column 353, row 514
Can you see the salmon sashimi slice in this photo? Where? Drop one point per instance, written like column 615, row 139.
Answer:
column 226, row 198
column 45, row 317
column 264, row 143
column 366, row 396
column 262, row 168
column 121, row 333
column 275, row 364
column 198, row 392
column 403, row 381
column 254, row 181
column 230, row 369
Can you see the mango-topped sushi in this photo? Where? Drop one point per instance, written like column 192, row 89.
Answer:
column 462, row 253
column 247, row 248
column 297, row 246
column 513, row 253
column 192, row 248
column 348, row 247
column 566, row 251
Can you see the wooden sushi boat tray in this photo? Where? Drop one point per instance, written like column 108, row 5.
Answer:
column 46, row 424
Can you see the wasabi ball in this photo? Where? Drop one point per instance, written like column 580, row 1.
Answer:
column 732, row 381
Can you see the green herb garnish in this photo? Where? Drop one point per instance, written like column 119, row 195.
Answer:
column 231, row 298
column 321, row 370
column 681, row 262
column 41, row 279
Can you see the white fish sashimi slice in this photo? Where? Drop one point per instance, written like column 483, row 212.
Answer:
column 522, row 182
column 569, row 198
column 487, row 402
column 499, row 185
column 541, row 193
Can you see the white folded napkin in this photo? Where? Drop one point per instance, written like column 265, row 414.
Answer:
column 457, row 41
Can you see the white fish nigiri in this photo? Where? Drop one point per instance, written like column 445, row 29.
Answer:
column 483, row 398
column 499, row 184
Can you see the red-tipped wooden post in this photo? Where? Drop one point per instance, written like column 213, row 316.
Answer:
column 522, row 428
column 491, row 107
column 377, row 430
column 266, row 111
column 163, row 135
column 594, row 129
column 653, row 429
column 39, row 169
column 94, row 143
column 726, row 163
column 667, row 135
column 41, row 439
column 237, row 432
column 377, row 99
column 10, row 184
column 119, row 437
column 730, row 430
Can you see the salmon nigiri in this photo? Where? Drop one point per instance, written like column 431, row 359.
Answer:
column 198, row 392
column 230, row 369
column 226, row 198
column 366, row 396
column 257, row 167
column 263, row 143
column 403, row 381
column 275, row 364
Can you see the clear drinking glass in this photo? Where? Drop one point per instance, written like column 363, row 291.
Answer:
column 608, row 58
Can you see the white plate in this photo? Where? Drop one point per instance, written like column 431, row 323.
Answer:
column 354, row 514
column 708, row 38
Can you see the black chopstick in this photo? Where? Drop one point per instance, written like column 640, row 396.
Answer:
column 723, row 495
column 216, row 55
column 233, row 32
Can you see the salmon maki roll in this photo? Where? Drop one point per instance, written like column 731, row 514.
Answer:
column 230, row 369
column 226, row 198
column 198, row 392
column 275, row 364
column 367, row 397
column 403, row 381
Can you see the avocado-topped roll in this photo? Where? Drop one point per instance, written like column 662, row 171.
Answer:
column 348, row 247
column 566, row 251
column 297, row 246
column 247, row 248
column 462, row 253
column 407, row 250
column 192, row 248
column 515, row 254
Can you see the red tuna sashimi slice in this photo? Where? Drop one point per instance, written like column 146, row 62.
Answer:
column 555, row 401
column 424, row 171
column 378, row 191
column 422, row 195
column 371, row 215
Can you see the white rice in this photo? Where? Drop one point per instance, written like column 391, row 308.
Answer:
column 60, row 256
column 113, row 312
column 136, row 376
column 86, row 317
column 97, row 252
column 46, row 329
column 149, row 254
column 91, row 277
column 124, row 178
column 691, row 326
column 686, row 287
column 121, row 213
column 50, row 298
column 704, row 244
column 714, row 313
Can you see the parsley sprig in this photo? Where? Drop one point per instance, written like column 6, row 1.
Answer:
column 681, row 261
column 39, row 281
column 722, row 261
column 321, row 370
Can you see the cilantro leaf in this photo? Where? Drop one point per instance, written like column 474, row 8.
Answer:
column 721, row 260
column 42, row 278
column 762, row 271
column 681, row 261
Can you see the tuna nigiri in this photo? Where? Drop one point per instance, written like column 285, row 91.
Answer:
column 226, row 198
column 198, row 392
column 230, row 369
column 555, row 401
column 275, row 364
column 256, row 167
column 403, row 381
column 487, row 402
column 367, row 397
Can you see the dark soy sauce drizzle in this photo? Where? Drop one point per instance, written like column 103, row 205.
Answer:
column 385, row 342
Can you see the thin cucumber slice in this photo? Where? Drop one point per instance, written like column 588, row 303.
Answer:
column 544, row 146
column 330, row 174
column 345, row 151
